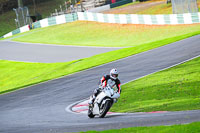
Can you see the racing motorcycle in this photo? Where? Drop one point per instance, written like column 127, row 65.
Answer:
column 103, row 102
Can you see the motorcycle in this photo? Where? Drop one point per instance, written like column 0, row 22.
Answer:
column 103, row 102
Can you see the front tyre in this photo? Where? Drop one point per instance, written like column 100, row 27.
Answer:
column 105, row 109
column 90, row 114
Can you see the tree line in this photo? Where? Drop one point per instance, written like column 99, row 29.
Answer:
column 7, row 5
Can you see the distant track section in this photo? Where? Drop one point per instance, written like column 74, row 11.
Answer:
column 44, row 53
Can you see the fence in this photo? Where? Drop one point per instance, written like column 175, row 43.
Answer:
column 184, row 6
column 22, row 14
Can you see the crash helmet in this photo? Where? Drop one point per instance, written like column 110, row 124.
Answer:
column 114, row 74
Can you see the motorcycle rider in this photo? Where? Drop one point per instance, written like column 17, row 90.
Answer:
column 111, row 79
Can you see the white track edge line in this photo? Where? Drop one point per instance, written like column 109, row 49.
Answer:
column 22, row 61
column 60, row 45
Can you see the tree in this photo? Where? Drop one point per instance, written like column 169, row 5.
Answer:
column 20, row 3
column 2, row 3
column 34, row 4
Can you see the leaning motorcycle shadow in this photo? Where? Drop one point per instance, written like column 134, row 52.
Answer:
column 113, row 115
column 109, row 116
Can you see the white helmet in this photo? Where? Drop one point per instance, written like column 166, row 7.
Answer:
column 114, row 73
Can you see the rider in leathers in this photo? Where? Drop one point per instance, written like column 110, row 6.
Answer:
column 111, row 79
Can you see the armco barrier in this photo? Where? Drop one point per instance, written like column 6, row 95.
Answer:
column 171, row 19
column 45, row 22
column 19, row 30
column 66, row 18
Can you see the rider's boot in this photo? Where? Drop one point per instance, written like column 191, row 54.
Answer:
column 91, row 100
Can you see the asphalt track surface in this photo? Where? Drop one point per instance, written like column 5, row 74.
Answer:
column 32, row 52
column 41, row 108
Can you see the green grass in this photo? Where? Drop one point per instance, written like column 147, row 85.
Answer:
column 173, row 89
column 7, row 23
column 83, row 33
column 125, row 5
column 15, row 75
column 182, row 128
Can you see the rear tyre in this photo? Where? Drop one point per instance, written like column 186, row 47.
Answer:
column 105, row 109
column 90, row 114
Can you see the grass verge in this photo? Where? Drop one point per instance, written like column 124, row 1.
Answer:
column 15, row 75
column 182, row 128
column 173, row 89
column 7, row 19
column 83, row 33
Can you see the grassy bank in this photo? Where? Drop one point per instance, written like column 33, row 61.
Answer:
column 186, row 128
column 7, row 19
column 15, row 75
column 173, row 89
column 84, row 33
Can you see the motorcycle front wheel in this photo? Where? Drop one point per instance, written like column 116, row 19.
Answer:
column 90, row 114
column 105, row 109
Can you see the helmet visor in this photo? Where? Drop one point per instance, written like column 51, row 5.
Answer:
column 115, row 75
